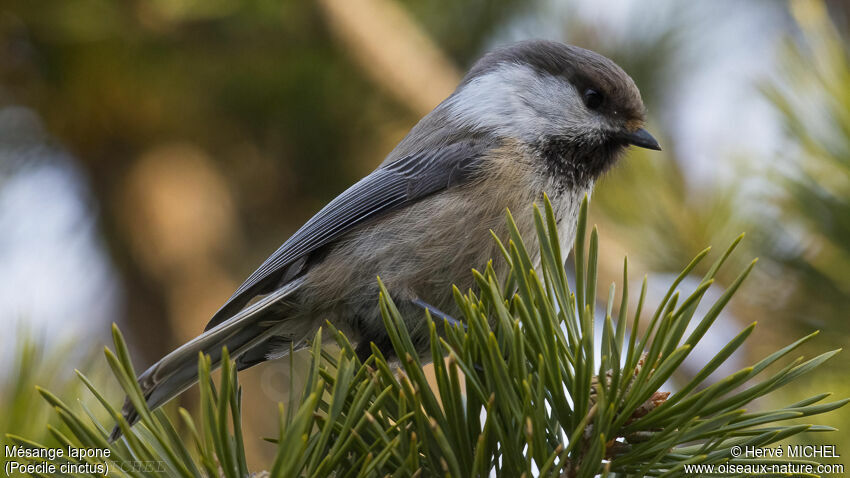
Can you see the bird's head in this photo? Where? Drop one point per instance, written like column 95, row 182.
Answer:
column 576, row 107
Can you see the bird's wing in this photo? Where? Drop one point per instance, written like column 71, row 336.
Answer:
column 390, row 187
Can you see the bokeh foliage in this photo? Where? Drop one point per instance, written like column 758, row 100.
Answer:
column 32, row 363
column 812, row 238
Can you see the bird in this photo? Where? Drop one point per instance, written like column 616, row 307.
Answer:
column 529, row 119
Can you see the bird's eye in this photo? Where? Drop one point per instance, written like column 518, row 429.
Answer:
column 592, row 98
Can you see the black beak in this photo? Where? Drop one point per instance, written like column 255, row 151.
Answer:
column 642, row 139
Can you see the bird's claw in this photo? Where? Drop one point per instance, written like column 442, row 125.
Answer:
column 435, row 312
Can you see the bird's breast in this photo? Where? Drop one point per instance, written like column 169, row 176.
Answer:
column 521, row 165
column 425, row 248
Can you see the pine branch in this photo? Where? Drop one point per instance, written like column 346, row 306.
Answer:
column 518, row 394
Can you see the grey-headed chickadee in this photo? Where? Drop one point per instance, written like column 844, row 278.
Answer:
column 532, row 118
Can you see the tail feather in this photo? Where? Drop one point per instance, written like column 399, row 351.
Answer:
column 178, row 371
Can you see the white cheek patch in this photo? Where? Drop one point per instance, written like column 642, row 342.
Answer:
column 518, row 102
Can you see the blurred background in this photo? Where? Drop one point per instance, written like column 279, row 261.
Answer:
column 154, row 152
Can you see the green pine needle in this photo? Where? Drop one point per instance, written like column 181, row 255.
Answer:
column 519, row 391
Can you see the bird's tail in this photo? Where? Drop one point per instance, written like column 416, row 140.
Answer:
column 252, row 329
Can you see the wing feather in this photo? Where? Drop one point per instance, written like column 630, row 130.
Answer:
column 390, row 187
